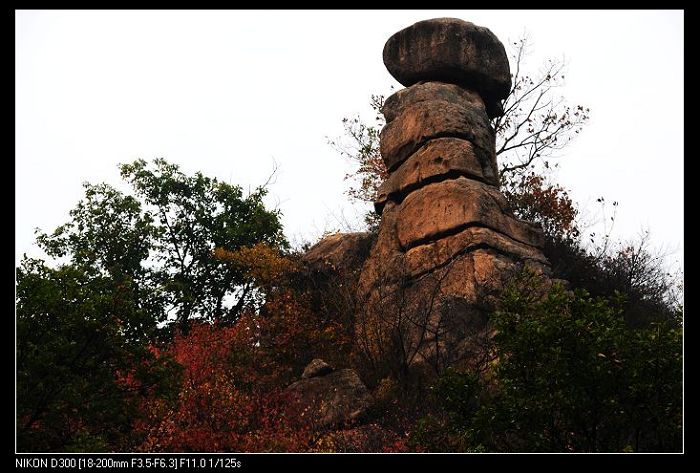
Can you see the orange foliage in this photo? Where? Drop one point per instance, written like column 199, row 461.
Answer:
column 261, row 262
column 535, row 199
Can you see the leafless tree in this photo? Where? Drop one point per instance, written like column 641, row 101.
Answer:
column 536, row 123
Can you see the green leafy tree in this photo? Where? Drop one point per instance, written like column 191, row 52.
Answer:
column 88, row 330
column 110, row 235
column 163, row 239
column 570, row 376
column 194, row 215
column 83, row 363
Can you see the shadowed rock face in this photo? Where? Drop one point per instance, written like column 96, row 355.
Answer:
column 448, row 240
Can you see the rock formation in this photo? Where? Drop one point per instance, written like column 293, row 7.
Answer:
column 331, row 398
column 447, row 240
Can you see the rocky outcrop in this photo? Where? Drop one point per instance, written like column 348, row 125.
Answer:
column 346, row 251
column 447, row 241
column 330, row 398
column 336, row 261
column 331, row 271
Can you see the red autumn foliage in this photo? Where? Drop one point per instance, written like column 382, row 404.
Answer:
column 224, row 404
column 231, row 394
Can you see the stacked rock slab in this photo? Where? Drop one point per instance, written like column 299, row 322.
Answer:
column 447, row 240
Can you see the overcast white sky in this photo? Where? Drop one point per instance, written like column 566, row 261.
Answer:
column 230, row 92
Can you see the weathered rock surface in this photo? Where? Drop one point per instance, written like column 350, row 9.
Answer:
column 438, row 253
column 317, row 367
column 385, row 263
column 437, row 159
column 395, row 104
column 423, row 121
column 440, row 209
column 345, row 251
column 332, row 399
column 450, row 50
column 439, row 315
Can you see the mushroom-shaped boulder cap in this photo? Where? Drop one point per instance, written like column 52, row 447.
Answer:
column 450, row 50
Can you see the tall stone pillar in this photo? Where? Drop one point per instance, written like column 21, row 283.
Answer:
column 447, row 240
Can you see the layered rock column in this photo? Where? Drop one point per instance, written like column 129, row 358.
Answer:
column 447, row 240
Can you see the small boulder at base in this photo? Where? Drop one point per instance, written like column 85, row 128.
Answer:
column 332, row 400
column 317, row 367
